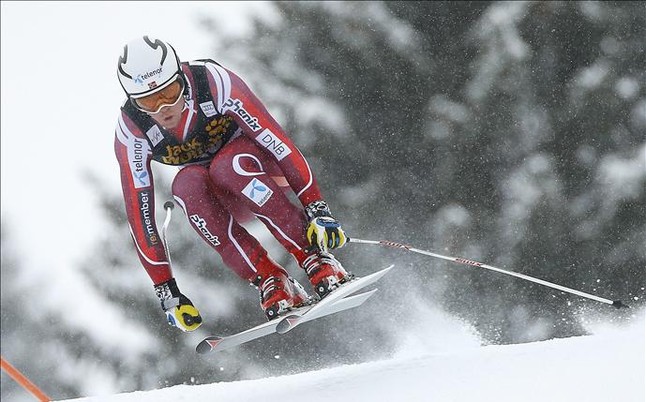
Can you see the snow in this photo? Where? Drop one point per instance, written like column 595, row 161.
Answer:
column 608, row 365
column 593, row 76
column 627, row 87
column 623, row 177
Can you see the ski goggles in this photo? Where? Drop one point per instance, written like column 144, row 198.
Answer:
column 168, row 96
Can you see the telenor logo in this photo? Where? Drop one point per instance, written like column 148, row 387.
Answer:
column 139, row 79
column 257, row 192
column 136, row 154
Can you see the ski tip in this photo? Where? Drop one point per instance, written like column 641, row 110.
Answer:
column 208, row 344
column 377, row 275
column 287, row 323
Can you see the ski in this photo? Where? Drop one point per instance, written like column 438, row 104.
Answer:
column 292, row 320
column 337, row 301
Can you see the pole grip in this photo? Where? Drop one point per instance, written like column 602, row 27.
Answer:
column 168, row 206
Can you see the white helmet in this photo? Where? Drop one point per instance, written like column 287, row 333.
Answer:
column 147, row 66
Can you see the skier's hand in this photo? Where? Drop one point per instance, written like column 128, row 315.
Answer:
column 179, row 310
column 323, row 231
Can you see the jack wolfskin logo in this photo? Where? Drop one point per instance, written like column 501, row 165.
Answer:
column 257, row 192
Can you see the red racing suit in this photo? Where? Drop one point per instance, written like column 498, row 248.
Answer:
column 234, row 158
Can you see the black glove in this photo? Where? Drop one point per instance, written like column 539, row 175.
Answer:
column 179, row 310
column 323, row 230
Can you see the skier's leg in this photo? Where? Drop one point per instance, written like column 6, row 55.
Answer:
column 240, row 251
column 246, row 173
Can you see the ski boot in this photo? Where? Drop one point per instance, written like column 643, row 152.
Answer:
column 279, row 293
column 325, row 272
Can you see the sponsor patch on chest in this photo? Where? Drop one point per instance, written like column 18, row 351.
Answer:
column 154, row 135
column 208, row 108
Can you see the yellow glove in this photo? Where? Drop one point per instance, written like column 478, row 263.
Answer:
column 323, row 230
column 179, row 310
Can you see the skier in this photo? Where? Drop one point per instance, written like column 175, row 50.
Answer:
column 234, row 158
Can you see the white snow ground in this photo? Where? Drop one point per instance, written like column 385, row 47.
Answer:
column 608, row 366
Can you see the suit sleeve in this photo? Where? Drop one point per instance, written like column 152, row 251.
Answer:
column 236, row 99
column 134, row 156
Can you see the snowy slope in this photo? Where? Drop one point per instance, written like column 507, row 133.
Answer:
column 608, row 366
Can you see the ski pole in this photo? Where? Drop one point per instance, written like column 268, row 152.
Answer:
column 616, row 303
column 168, row 206
column 23, row 381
